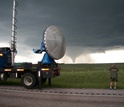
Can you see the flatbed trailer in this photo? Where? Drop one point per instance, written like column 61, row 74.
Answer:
column 31, row 74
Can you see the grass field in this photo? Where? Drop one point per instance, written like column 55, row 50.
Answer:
column 87, row 76
column 83, row 76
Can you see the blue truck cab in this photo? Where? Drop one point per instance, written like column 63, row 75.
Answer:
column 5, row 57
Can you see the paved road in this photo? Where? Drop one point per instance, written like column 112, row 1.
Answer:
column 20, row 97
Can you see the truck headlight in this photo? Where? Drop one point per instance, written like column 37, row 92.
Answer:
column 1, row 54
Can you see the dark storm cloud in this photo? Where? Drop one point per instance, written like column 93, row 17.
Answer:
column 5, row 20
column 88, row 25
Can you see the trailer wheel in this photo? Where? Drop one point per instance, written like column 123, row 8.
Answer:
column 28, row 80
column 3, row 77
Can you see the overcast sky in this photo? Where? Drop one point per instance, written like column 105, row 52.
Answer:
column 91, row 27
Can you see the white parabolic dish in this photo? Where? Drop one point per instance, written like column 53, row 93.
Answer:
column 54, row 42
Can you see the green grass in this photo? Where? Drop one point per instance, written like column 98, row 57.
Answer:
column 87, row 76
column 93, row 79
column 14, row 82
column 82, row 76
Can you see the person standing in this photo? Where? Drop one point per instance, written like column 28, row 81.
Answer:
column 113, row 76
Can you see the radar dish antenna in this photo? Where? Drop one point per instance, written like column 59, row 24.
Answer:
column 54, row 42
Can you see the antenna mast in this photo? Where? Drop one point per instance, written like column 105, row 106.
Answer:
column 14, row 27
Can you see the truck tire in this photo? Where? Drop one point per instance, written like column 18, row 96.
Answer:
column 28, row 80
column 3, row 77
